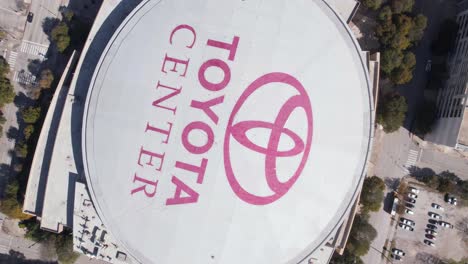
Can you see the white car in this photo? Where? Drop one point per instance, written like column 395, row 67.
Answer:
column 452, row 200
column 437, row 206
column 445, row 224
column 431, row 232
column 406, row 227
column 398, row 252
column 408, row 211
column 412, row 195
column 407, row 221
column 413, row 190
column 435, row 216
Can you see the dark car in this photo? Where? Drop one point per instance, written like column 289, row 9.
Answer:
column 434, row 222
column 30, row 17
column 409, row 205
column 431, row 237
column 432, row 227
column 411, row 200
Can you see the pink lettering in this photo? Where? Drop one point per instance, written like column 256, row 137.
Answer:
column 143, row 187
column 178, row 199
column 175, row 92
column 214, row 86
column 191, row 147
column 206, row 107
column 174, row 67
column 159, row 130
column 151, row 155
column 187, row 27
column 231, row 47
column 199, row 170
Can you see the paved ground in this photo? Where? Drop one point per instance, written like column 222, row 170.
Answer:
column 449, row 242
column 439, row 161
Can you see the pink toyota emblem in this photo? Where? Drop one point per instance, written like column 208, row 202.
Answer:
column 277, row 130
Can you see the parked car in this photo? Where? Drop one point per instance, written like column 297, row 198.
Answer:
column 445, row 224
column 431, row 237
column 435, row 216
column 408, row 205
column 406, row 227
column 428, row 65
column 431, row 232
column 429, row 243
column 412, row 195
column 432, row 221
column 411, row 200
column 396, row 257
column 407, row 221
column 437, row 206
column 408, row 211
column 30, row 17
column 450, row 199
column 413, row 190
column 432, row 227
column 398, row 252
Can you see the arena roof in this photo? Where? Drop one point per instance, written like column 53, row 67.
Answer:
column 220, row 131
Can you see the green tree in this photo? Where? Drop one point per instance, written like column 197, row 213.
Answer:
column 409, row 60
column 64, row 249
column 31, row 114
column 10, row 205
column 385, row 31
column 391, row 59
column 401, row 75
column 28, row 130
column 4, row 67
column 372, row 4
column 385, row 13
column 391, row 112
column 7, row 94
column 417, row 30
column 47, row 77
column 60, row 36
column 21, row 149
column 361, row 235
column 68, row 15
column 346, row 258
column 372, row 194
column 402, row 6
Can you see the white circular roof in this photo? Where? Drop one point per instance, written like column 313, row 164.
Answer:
column 221, row 131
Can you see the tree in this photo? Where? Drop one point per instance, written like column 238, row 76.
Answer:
column 7, row 94
column 4, row 67
column 46, row 80
column 402, row 6
column 391, row 59
column 391, row 112
column 10, row 205
column 385, row 13
column 361, row 235
column 401, row 75
column 68, row 15
column 372, row 4
column 409, row 60
column 64, row 249
column 346, row 258
column 28, row 130
column 59, row 35
column 31, row 114
column 21, row 149
column 417, row 30
column 372, row 194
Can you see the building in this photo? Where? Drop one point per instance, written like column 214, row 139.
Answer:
column 93, row 124
column 451, row 128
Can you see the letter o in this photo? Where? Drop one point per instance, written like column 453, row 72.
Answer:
column 193, row 148
column 214, row 86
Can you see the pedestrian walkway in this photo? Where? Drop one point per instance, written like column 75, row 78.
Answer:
column 413, row 157
column 24, row 78
column 34, row 48
column 12, row 59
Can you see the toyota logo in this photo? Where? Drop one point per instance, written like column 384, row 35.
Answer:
column 277, row 129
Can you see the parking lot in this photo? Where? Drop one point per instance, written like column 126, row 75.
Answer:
column 449, row 243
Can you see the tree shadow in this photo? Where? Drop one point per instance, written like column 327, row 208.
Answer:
column 22, row 100
column 12, row 133
column 35, row 67
column 15, row 257
column 392, row 183
column 48, row 24
column 5, row 172
column 419, row 173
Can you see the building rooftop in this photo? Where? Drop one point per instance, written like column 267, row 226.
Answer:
column 125, row 97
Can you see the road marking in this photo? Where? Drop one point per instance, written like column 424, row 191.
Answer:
column 34, row 48
column 24, row 78
column 413, row 157
column 12, row 59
